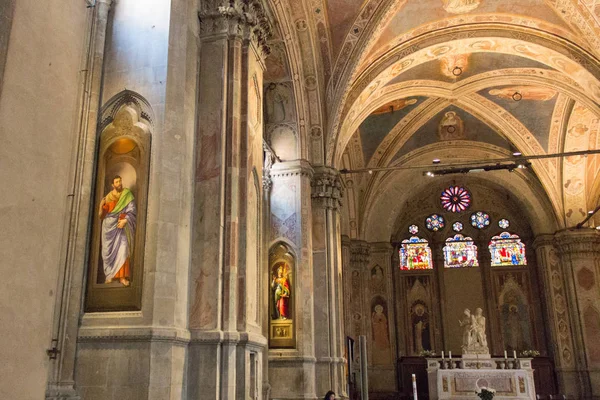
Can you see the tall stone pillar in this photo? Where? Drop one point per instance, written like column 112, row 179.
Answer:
column 292, row 368
column 328, row 283
column 356, row 276
column 558, row 315
column 580, row 257
column 227, row 338
column 61, row 378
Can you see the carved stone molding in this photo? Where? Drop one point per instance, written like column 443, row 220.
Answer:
column 112, row 107
column 327, row 190
column 578, row 243
column 245, row 18
column 291, row 168
column 360, row 252
column 542, row 241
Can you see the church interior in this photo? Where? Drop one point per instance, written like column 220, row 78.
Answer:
column 217, row 199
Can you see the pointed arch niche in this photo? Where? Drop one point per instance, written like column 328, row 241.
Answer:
column 282, row 293
column 116, row 256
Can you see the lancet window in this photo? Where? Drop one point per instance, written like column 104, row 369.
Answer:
column 415, row 253
column 507, row 249
column 460, row 252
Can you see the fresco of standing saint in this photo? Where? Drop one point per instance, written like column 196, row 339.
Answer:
column 281, row 294
column 118, row 214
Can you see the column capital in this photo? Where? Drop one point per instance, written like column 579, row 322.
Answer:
column 543, row 241
column 245, row 18
column 291, row 168
column 359, row 251
column 327, row 189
column 578, row 242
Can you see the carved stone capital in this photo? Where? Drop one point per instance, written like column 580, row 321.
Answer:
column 267, row 183
column 291, row 168
column 543, row 241
column 578, row 244
column 360, row 252
column 245, row 18
column 327, row 189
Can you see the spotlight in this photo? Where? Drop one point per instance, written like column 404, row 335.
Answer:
column 521, row 166
column 517, row 154
column 591, row 212
column 598, row 228
column 436, row 160
column 371, row 171
column 429, row 173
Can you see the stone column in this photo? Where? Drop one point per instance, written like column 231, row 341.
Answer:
column 557, row 315
column 356, row 276
column 292, row 370
column 70, row 289
column 580, row 257
column 328, row 284
column 227, row 341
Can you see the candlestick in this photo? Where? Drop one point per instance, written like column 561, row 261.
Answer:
column 442, row 356
column 505, row 355
column 515, row 354
column 414, row 379
column 450, row 355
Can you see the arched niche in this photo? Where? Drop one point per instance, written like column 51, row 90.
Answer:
column 119, row 202
column 282, row 295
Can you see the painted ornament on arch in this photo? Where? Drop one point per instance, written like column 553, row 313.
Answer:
column 453, row 65
column 517, row 93
column 460, row 6
column 451, row 127
column 394, row 105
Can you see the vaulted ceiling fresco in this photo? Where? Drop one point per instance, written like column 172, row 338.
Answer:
column 380, row 81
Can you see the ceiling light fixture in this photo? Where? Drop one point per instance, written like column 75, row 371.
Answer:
column 517, row 96
column 481, row 168
column 517, row 154
column 457, row 71
column 507, row 163
column 436, row 161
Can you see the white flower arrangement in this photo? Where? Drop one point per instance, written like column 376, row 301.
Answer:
column 427, row 353
column 530, row 353
column 486, row 393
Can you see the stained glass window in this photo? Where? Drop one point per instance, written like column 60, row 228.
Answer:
column 413, row 229
column 507, row 249
column 480, row 219
column 415, row 253
column 435, row 222
column 460, row 252
column 503, row 223
column 456, row 199
column 457, row 226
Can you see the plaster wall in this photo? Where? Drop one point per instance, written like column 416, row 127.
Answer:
column 38, row 128
column 7, row 9
column 137, row 47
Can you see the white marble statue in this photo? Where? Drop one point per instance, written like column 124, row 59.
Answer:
column 474, row 340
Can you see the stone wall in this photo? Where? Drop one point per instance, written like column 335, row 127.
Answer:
column 41, row 91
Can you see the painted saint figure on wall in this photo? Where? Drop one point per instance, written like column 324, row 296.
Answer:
column 420, row 323
column 381, row 339
column 281, row 293
column 118, row 214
